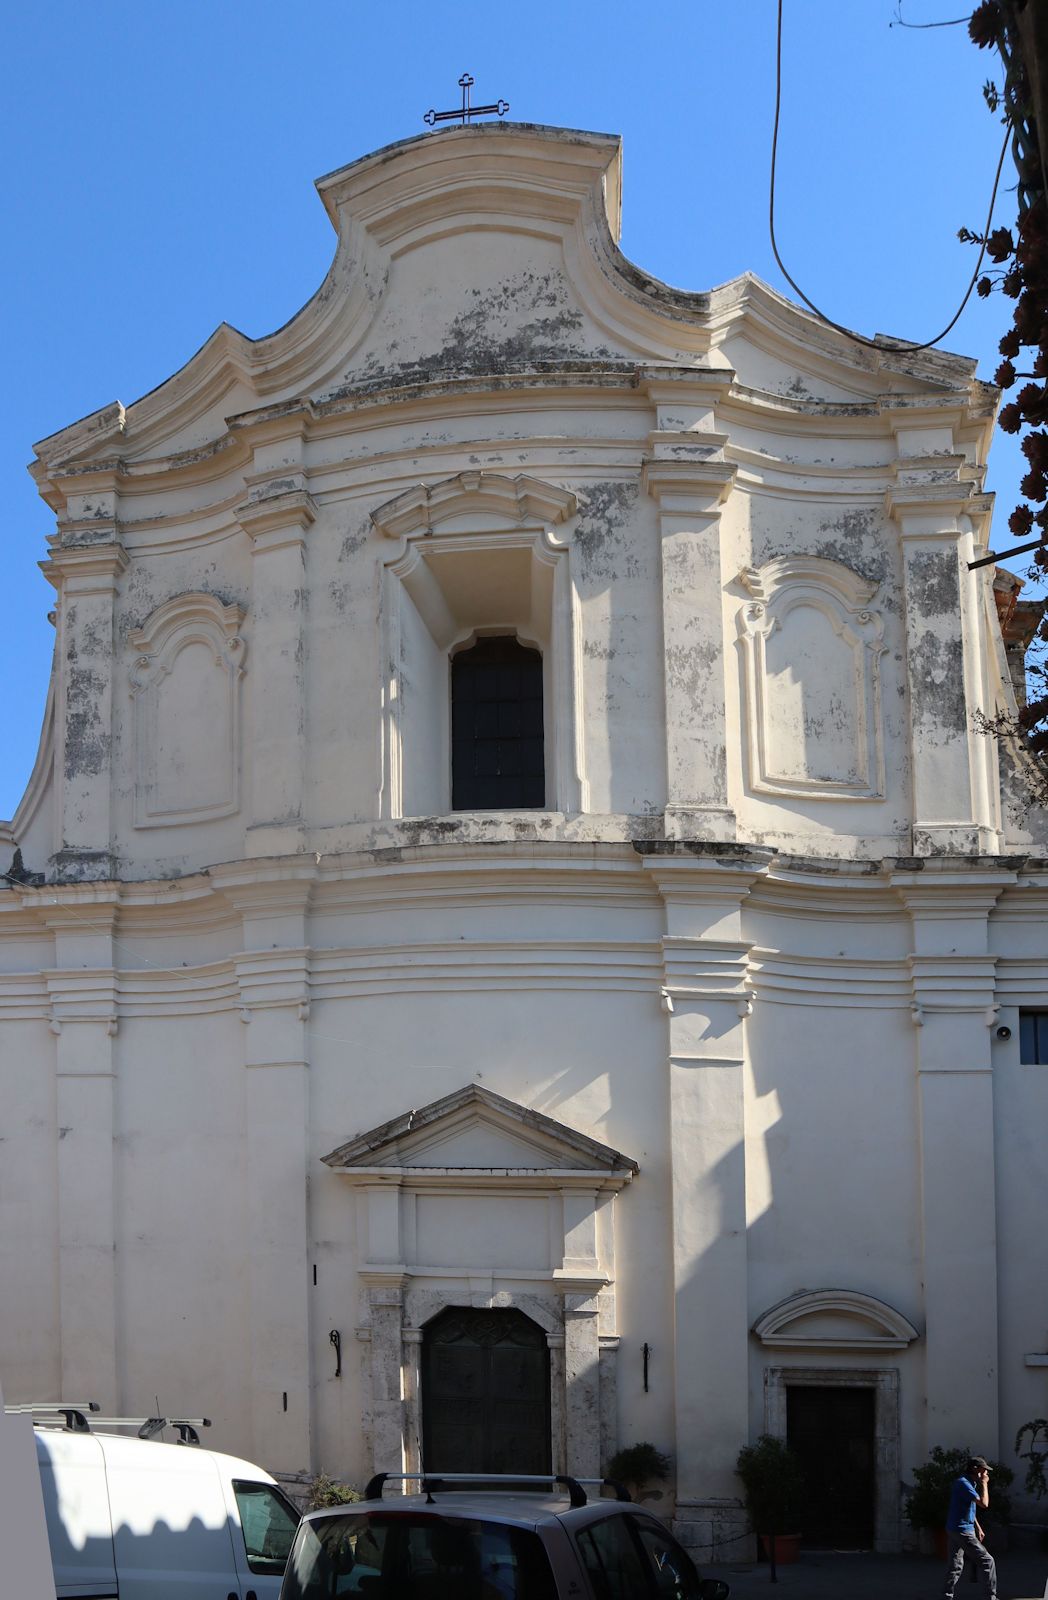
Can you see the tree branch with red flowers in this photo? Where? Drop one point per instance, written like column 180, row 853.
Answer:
column 1018, row 31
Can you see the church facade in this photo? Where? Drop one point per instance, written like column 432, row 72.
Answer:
column 518, row 943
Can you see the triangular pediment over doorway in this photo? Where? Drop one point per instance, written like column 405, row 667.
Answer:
column 477, row 1131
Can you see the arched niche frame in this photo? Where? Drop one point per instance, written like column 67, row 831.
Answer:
column 822, row 1326
column 811, row 648
column 476, row 1201
column 185, row 683
column 479, row 553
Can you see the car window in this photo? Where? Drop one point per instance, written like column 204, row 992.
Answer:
column 336, row 1557
column 269, row 1522
column 671, row 1568
column 423, row 1556
column 613, row 1561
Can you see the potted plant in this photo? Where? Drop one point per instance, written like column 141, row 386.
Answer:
column 928, row 1502
column 774, row 1491
column 637, row 1466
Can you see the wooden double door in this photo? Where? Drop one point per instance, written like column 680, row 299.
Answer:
column 832, row 1431
column 485, row 1393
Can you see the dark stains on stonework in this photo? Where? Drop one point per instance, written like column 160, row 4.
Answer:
column 86, row 740
column 609, row 508
column 933, row 583
column 937, row 684
column 508, row 327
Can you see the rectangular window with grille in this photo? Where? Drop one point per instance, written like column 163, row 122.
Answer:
column 1033, row 1038
column 497, row 756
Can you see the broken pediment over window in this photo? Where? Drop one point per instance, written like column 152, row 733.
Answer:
column 186, row 687
column 835, row 1319
column 477, row 1131
column 811, row 649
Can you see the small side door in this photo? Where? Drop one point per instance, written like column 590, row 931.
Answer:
column 263, row 1523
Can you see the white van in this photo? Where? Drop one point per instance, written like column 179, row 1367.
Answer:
column 132, row 1519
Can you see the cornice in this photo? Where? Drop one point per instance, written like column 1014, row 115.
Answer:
column 280, row 511
column 514, row 499
column 678, row 484
column 91, row 567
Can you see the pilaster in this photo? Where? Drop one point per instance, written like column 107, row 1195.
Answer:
column 705, row 959
column 687, row 476
column 82, row 993
column 86, row 576
column 276, row 517
column 273, row 977
column 582, row 1384
column 933, row 503
column 953, row 1011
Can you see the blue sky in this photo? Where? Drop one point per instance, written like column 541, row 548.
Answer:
column 159, row 157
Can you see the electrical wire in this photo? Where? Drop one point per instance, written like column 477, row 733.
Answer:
column 858, row 338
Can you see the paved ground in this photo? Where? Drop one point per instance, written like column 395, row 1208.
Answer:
column 1021, row 1575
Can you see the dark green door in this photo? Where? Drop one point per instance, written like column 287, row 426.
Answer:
column 485, row 1393
column 831, row 1430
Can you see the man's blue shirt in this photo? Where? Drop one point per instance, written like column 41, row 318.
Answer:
column 963, row 1500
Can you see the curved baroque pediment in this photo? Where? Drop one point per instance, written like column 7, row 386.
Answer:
column 834, row 1319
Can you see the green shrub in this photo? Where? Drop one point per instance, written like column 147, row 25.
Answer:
column 1035, row 1483
column 774, row 1485
column 325, row 1491
column 929, row 1500
column 637, row 1466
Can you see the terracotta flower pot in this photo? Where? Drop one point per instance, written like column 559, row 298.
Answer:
column 787, row 1547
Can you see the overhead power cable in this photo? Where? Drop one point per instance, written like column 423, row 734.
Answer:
column 858, row 338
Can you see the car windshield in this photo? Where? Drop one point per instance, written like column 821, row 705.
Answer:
column 416, row 1556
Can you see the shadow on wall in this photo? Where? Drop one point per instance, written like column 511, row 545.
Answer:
column 153, row 1563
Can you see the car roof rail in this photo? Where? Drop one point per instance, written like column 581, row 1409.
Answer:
column 82, row 1417
column 75, row 1412
column 443, row 1481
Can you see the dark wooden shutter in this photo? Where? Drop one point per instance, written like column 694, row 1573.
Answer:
column 497, row 759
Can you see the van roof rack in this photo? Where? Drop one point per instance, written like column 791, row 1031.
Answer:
column 443, row 1481
column 82, row 1417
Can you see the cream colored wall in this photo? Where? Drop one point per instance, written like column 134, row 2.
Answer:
column 777, row 997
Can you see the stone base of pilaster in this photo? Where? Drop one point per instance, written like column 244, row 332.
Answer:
column 71, row 865
column 700, row 822
column 714, row 1531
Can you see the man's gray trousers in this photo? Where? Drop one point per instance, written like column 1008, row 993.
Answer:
column 962, row 1547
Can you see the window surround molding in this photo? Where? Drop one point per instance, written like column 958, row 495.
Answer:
column 843, row 597
column 519, row 525
column 186, row 619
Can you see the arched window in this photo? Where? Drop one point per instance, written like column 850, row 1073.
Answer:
column 497, row 760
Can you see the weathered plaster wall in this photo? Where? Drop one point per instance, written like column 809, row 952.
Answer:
column 754, row 942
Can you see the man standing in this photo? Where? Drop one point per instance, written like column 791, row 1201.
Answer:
column 963, row 1533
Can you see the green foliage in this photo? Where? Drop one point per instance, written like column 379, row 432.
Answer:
column 1035, row 1482
column 774, row 1485
column 325, row 1491
column 638, row 1465
column 929, row 1500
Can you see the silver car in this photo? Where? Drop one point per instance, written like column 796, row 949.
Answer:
column 505, row 1542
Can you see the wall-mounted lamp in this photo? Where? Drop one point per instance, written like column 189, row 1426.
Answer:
column 1004, row 1033
column 667, row 1000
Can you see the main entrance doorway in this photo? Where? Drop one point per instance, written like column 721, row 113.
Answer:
column 485, row 1393
column 832, row 1431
